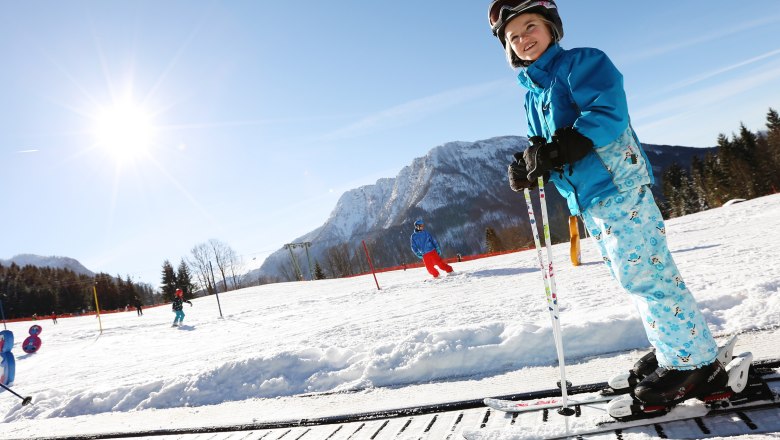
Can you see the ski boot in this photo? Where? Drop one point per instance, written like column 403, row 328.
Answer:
column 660, row 391
column 667, row 387
column 625, row 382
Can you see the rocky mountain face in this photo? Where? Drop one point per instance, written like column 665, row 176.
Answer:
column 459, row 189
column 22, row 260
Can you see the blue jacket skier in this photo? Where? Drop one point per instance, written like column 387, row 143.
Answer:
column 581, row 139
column 177, row 305
column 425, row 246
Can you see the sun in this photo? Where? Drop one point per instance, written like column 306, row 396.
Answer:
column 125, row 130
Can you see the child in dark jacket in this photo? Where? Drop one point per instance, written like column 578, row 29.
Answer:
column 178, row 305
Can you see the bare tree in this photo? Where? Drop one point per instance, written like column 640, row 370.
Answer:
column 200, row 261
column 358, row 264
column 338, row 261
column 220, row 252
column 235, row 265
column 228, row 263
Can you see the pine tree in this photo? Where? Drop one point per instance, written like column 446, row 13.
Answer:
column 688, row 200
column 698, row 184
column 773, row 148
column 727, row 164
column 319, row 274
column 715, row 182
column 672, row 180
column 751, row 180
column 184, row 279
column 168, row 280
column 127, row 292
column 107, row 292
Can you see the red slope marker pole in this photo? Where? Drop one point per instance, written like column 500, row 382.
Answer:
column 370, row 264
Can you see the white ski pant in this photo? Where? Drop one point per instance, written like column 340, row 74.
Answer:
column 631, row 235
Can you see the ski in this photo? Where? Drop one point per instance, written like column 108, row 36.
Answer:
column 517, row 406
column 617, row 385
column 604, row 424
column 595, row 418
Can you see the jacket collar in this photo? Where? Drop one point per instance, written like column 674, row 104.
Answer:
column 540, row 73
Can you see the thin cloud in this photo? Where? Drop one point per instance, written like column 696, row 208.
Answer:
column 26, row 151
column 413, row 111
column 703, row 38
column 705, row 98
column 705, row 76
column 716, row 72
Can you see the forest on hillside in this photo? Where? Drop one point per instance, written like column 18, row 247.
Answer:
column 29, row 290
column 744, row 166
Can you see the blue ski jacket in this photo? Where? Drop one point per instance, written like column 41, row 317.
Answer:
column 423, row 242
column 581, row 88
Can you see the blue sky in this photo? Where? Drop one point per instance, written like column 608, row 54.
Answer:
column 260, row 114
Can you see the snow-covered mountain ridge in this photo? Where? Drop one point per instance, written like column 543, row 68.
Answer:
column 459, row 188
column 53, row 262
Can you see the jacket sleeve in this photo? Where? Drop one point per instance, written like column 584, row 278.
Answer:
column 435, row 244
column 414, row 247
column 596, row 86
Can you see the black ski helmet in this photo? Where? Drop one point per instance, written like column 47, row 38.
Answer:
column 502, row 12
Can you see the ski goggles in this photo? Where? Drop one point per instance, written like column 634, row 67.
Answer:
column 500, row 11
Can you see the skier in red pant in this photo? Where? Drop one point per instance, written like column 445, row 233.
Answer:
column 425, row 246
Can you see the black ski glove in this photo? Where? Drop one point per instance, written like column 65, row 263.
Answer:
column 517, row 174
column 567, row 146
column 518, row 179
column 574, row 144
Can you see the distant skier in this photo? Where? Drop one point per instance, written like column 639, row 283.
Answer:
column 425, row 246
column 138, row 307
column 178, row 305
column 54, row 317
column 580, row 137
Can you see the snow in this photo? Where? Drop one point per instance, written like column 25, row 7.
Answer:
column 277, row 342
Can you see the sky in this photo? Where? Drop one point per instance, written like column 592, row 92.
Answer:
column 131, row 132
column 314, row 349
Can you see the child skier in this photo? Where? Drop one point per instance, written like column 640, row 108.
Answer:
column 178, row 305
column 581, row 139
column 425, row 246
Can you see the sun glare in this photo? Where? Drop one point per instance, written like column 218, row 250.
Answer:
column 125, row 130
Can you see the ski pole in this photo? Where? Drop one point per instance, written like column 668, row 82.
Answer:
column 565, row 410
column 25, row 400
column 550, row 288
column 542, row 268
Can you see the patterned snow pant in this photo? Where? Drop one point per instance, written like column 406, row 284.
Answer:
column 432, row 259
column 631, row 235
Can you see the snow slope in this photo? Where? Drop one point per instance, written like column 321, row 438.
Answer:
column 277, row 342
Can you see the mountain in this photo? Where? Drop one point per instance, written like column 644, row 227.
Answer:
column 459, row 189
column 53, row 262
